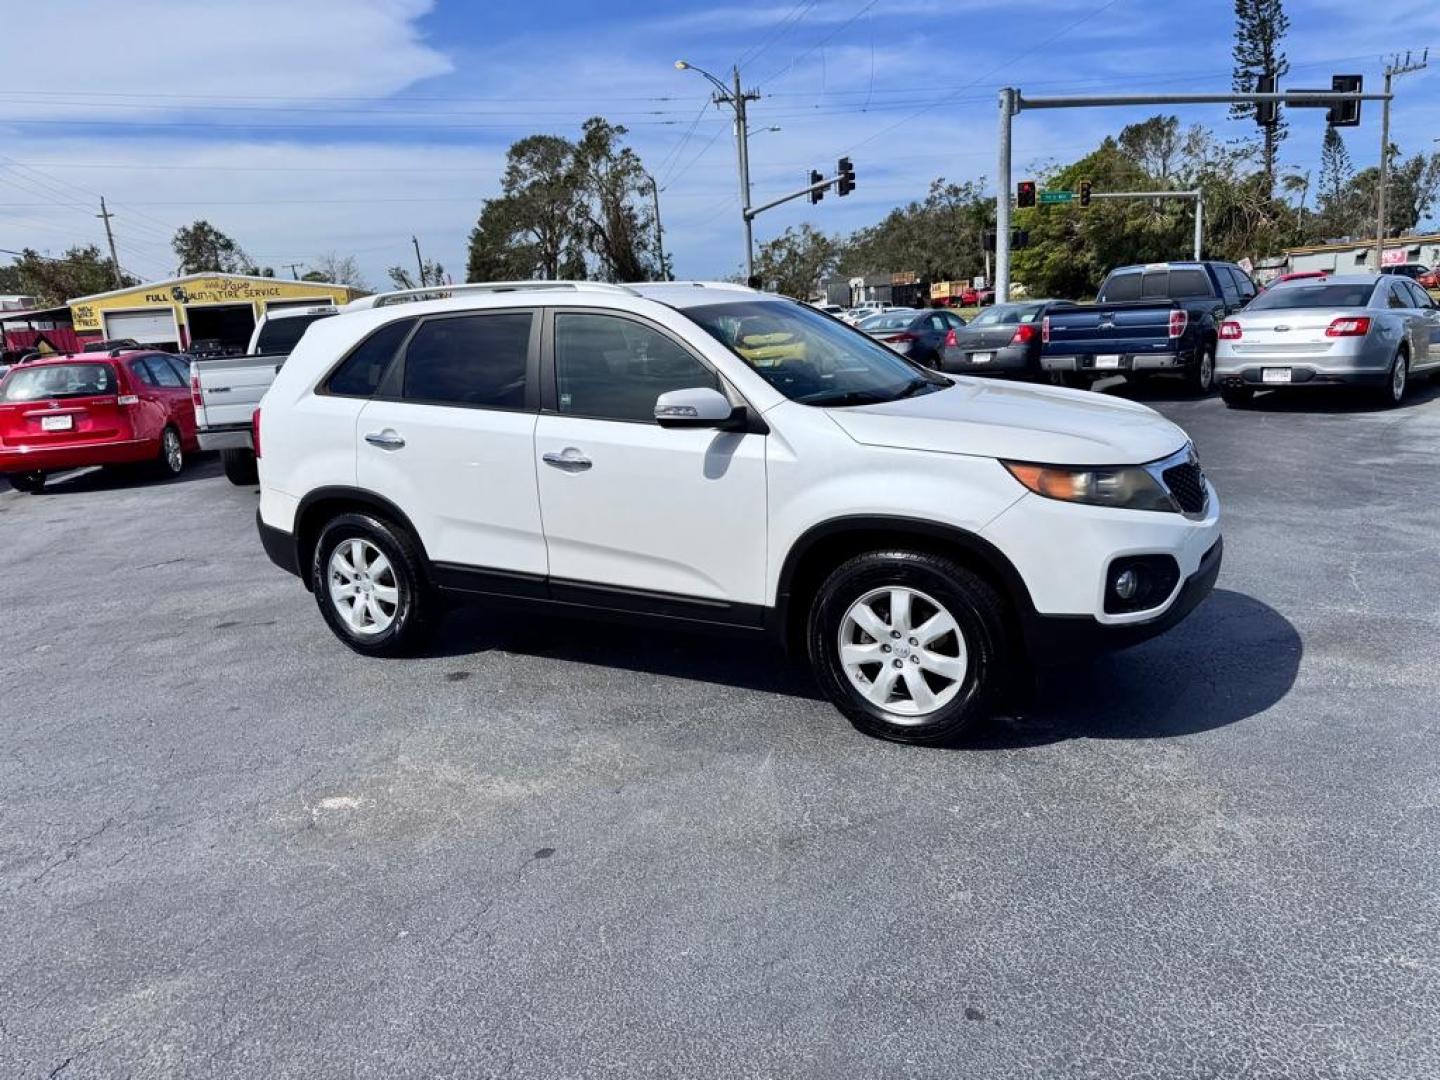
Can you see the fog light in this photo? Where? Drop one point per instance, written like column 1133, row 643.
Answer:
column 1126, row 585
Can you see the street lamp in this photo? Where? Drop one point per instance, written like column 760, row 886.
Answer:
column 736, row 98
column 761, row 131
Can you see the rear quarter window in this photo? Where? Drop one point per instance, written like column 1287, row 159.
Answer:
column 360, row 373
column 1121, row 287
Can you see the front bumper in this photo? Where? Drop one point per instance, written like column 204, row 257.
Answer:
column 78, row 455
column 1055, row 639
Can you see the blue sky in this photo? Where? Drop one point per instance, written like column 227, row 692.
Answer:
column 349, row 125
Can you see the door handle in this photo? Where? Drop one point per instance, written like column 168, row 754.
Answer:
column 386, row 440
column 568, row 460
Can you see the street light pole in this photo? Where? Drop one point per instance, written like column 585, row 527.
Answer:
column 1002, row 198
column 736, row 98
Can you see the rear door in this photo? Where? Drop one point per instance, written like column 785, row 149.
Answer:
column 449, row 438
column 62, row 404
column 175, row 394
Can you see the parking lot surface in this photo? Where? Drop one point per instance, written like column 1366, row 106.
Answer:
column 231, row 848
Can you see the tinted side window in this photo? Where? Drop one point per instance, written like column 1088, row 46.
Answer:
column 164, row 374
column 477, row 360
column 613, row 369
column 1122, row 287
column 1227, row 285
column 1397, row 297
column 1419, row 295
column 360, row 374
column 141, row 371
column 1244, row 284
column 181, row 364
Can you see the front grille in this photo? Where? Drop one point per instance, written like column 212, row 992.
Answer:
column 1187, row 485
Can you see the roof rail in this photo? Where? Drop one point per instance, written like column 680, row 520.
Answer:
column 444, row 292
column 733, row 285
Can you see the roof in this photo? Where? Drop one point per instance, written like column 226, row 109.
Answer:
column 1364, row 244
column 61, row 312
column 1371, row 278
column 674, row 293
column 167, row 282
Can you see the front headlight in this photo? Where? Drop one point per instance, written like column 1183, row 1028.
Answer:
column 1127, row 487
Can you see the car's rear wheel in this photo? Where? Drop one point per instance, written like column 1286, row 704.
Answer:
column 32, row 483
column 172, row 453
column 240, row 467
column 1237, row 397
column 909, row 646
column 1200, row 378
column 368, row 578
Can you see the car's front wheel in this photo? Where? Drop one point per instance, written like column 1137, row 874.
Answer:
column 32, row 483
column 368, row 578
column 909, row 646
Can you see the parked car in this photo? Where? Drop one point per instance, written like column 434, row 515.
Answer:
column 1002, row 340
column 81, row 409
column 970, row 296
column 1296, row 275
column 610, row 449
column 1355, row 330
column 869, row 308
column 922, row 336
column 1429, row 280
column 111, row 345
column 225, row 391
column 1157, row 319
column 1412, row 270
column 834, row 310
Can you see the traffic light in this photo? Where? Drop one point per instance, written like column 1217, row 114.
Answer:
column 1345, row 113
column 1025, row 194
column 1084, row 193
column 846, row 183
column 816, row 193
column 1267, row 113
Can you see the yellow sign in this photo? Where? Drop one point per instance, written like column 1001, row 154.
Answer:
column 88, row 313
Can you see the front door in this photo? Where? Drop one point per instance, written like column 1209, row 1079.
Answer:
column 637, row 515
column 450, row 440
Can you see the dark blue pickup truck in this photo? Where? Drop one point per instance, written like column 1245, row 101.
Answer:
column 1156, row 319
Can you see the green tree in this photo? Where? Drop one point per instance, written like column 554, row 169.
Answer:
column 1260, row 26
column 611, row 186
column 432, row 275
column 1338, row 215
column 1409, row 197
column 796, row 260
column 940, row 237
column 81, row 271
column 202, row 248
column 1155, row 145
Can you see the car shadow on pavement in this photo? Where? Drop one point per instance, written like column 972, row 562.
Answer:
column 1233, row 658
column 197, row 467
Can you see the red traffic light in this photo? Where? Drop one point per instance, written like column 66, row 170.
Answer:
column 1025, row 194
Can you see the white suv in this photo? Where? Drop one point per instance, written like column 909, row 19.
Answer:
column 702, row 454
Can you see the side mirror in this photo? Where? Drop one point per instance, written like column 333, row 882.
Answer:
column 699, row 406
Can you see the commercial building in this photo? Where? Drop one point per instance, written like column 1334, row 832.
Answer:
column 1351, row 256
column 219, row 309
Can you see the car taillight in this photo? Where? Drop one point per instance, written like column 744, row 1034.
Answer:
column 1178, row 321
column 1351, row 327
column 1230, row 331
column 1045, row 330
column 1024, row 334
column 255, row 430
column 195, row 398
column 907, row 336
column 950, row 342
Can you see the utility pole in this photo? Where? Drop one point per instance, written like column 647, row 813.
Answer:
column 1002, row 197
column 1392, row 69
column 736, row 98
column 659, row 232
column 295, row 270
column 105, row 216
column 419, row 262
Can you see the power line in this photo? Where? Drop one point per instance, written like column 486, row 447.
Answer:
column 785, row 25
column 796, row 59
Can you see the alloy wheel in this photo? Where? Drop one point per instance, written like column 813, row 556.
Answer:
column 174, row 452
column 363, row 587
column 1398, row 377
column 903, row 652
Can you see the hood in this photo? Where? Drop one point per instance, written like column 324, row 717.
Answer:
column 1045, row 424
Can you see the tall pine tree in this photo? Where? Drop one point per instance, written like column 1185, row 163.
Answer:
column 1260, row 25
column 1336, row 174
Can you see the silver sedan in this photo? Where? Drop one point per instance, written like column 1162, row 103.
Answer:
column 1344, row 330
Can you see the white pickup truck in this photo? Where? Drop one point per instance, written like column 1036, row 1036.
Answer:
column 226, row 391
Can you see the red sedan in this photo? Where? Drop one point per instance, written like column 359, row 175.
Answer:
column 1430, row 279
column 67, row 412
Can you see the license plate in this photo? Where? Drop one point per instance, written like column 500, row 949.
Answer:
column 980, row 357
column 1275, row 375
column 1107, row 360
column 57, row 423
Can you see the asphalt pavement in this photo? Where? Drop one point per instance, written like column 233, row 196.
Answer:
column 229, row 847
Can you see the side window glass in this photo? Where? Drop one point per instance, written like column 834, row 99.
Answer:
column 181, row 363
column 360, row 373
column 162, row 372
column 613, row 369
column 476, row 360
column 1121, row 287
column 1397, row 298
column 1227, row 285
column 1246, row 286
column 937, row 322
column 141, row 371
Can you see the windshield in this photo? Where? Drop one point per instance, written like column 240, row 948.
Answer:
column 1008, row 315
column 1313, row 296
column 282, row 335
column 809, row 358
column 57, row 381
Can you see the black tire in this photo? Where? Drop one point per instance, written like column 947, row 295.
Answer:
column 1397, row 382
column 171, row 462
column 979, row 615
column 1236, row 397
column 32, row 483
column 416, row 606
column 1074, row 380
column 240, row 467
column 1200, row 376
